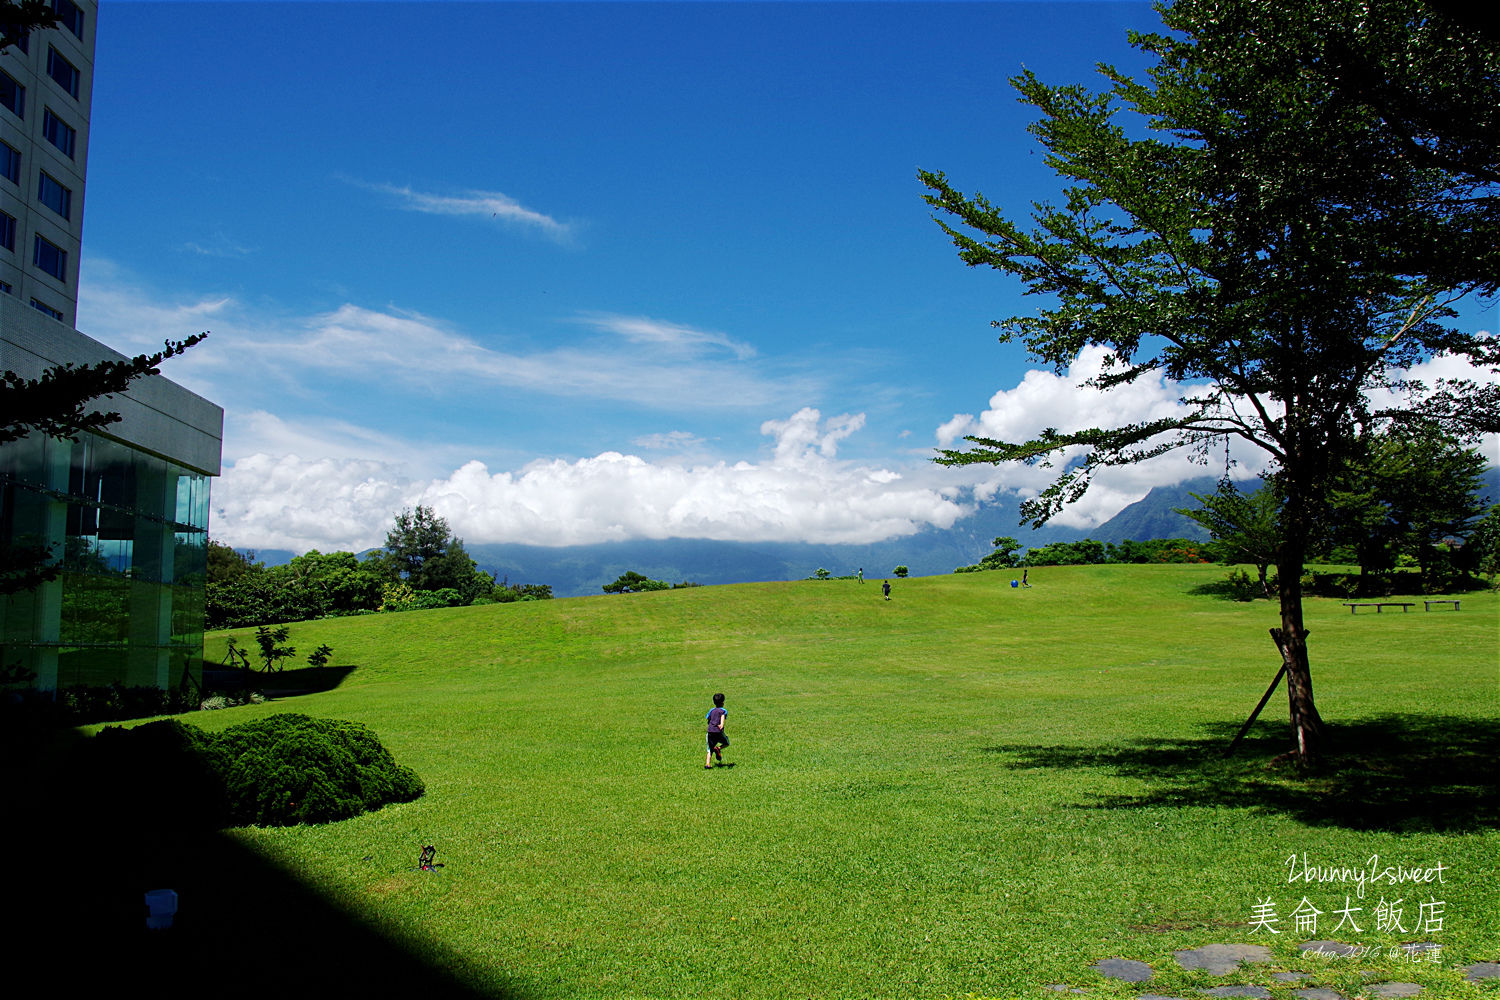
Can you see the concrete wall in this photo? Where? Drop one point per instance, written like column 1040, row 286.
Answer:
column 158, row 415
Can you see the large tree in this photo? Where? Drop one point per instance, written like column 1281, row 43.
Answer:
column 1245, row 224
column 423, row 551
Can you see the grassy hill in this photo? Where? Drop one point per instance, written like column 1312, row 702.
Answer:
column 969, row 788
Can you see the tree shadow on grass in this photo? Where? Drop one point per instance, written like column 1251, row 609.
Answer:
column 81, row 860
column 1397, row 773
column 281, row 684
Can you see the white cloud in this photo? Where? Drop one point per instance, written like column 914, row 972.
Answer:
column 802, row 493
column 1045, row 399
column 672, row 336
column 287, row 502
column 491, row 205
column 669, row 441
column 250, row 351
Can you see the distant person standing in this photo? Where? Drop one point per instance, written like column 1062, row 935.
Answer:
column 716, row 738
column 885, row 585
column 1023, row 578
column 861, row 574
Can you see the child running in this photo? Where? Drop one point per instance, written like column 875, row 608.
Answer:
column 716, row 738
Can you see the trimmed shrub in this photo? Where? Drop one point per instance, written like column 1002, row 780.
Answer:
column 292, row 769
column 281, row 771
column 166, row 770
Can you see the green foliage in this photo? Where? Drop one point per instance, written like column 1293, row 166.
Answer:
column 226, row 565
column 167, row 770
column 271, row 651
column 320, row 656
column 821, row 574
column 1088, row 552
column 279, row 771
column 1404, row 494
column 1485, row 543
column 631, row 582
column 1253, row 219
column 399, row 596
column 1004, row 557
column 1246, row 526
column 507, row 593
column 291, row 769
column 900, row 572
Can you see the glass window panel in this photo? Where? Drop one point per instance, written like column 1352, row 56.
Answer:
column 63, row 72
column 59, row 133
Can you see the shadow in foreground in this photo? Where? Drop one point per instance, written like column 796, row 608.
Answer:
column 282, row 683
column 1397, row 773
column 82, row 859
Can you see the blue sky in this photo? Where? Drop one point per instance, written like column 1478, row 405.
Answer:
column 575, row 272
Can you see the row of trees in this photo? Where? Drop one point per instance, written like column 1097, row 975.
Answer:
column 631, row 582
column 423, row 565
column 1089, row 552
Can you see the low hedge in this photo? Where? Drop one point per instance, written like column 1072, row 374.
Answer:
column 281, row 771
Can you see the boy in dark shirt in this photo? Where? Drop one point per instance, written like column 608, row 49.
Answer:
column 716, row 737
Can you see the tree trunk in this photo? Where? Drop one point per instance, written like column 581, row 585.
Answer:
column 1306, row 723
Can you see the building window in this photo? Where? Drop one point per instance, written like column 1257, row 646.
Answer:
column 62, row 71
column 44, row 307
column 54, row 195
column 69, row 16
column 59, row 133
column 8, row 231
column 6, row 288
column 51, row 258
column 10, row 162
column 22, row 36
column 12, row 94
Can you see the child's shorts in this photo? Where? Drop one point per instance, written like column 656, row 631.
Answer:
column 717, row 740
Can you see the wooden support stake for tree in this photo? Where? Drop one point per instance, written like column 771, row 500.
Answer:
column 1276, row 637
column 1253, row 715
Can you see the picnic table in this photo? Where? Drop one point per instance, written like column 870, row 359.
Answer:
column 1378, row 605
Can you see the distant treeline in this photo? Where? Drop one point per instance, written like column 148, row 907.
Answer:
column 422, row 566
column 1087, row 551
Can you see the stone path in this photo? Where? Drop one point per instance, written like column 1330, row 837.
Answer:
column 1228, row 959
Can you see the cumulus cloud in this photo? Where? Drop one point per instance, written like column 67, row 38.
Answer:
column 803, row 492
column 1045, row 399
column 288, row 502
column 491, row 205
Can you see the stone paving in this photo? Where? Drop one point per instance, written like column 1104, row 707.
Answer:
column 1228, row 959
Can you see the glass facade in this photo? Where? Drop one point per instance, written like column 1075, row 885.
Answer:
column 131, row 530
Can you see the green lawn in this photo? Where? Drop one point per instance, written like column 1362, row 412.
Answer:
column 967, row 789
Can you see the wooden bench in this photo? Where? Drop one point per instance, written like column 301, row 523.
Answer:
column 1378, row 605
column 1442, row 601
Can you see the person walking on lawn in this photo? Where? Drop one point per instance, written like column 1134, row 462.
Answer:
column 716, row 738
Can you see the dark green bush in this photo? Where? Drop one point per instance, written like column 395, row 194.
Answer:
column 166, row 770
column 280, row 771
column 292, row 768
